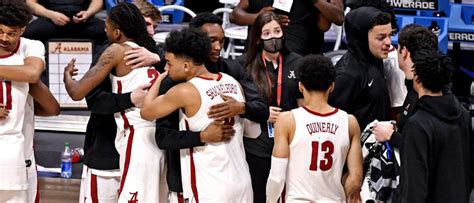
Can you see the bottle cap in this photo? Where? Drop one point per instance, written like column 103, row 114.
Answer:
column 66, row 144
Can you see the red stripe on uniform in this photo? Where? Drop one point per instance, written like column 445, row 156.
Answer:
column 126, row 124
column 8, row 84
column 180, row 198
column 1, row 92
column 94, row 193
column 193, row 176
column 193, row 169
column 283, row 195
column 128, row 155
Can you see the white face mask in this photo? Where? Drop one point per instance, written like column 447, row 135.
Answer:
column 273, row 45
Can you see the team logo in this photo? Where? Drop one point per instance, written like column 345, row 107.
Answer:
column 57, row 49
column 370, row 83
column 292, row 74
column 133, row 199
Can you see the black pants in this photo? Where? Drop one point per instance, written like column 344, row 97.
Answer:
column 259, row 171
column 43, row 29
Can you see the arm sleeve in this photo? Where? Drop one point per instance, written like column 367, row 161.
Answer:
column 409, row 84
column 414, row 158
column 160, row 67
column 344, row 93
column 276, row 178
column 166, row 135
column 395, row 139
column 101, row 100
column 256, row 109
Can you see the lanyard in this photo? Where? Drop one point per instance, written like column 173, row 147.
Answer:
column 280, row 73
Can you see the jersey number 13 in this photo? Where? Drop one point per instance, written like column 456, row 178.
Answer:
column 327, row 147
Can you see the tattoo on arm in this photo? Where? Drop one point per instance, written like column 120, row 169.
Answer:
column 105, row 59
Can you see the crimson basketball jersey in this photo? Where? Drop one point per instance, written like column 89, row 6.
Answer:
column 318, row 153
column 12, row 156
column 128, row 83
column 215, row 172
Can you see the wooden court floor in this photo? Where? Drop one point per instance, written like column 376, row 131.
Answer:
column 55, row 190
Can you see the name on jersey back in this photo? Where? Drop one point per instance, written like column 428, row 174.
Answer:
column 226, row 88
column 322, row 127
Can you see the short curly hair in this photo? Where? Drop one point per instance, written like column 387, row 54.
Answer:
column 190, row 43
column 203, row 18
column 433, row 69
column 416, row 37
column 15, row 13
column 316, row 72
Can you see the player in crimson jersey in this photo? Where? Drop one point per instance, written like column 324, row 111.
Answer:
column 314, row 142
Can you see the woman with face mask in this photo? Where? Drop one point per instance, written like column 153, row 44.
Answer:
column 273, row 71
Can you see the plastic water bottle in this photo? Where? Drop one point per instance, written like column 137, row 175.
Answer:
column 66, row 162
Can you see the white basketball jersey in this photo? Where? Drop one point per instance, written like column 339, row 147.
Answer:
column 30, row 48
column 12, row 160
column 318, row 153
column 128, row 83
column 215, row 172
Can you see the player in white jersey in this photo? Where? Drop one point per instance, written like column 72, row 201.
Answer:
column 314, row 142
column 13, row 178
column 40, row 102
column 30, row 55
column 141, row 160
column 214, row 172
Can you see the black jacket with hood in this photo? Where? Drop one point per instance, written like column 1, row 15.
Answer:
column 435, row 152
column 361, row 88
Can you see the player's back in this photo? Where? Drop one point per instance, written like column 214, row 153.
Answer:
column 128, row 83
column 318, row 153
column 13, row 96
column 218, row 171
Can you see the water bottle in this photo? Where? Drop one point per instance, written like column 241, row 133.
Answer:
column 66, row 162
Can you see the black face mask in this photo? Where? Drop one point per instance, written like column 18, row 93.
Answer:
column 273, row 45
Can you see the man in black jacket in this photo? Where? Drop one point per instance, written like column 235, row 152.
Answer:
column 412, row 39
column 361, row 88
column 167, row 135
column 435, row 148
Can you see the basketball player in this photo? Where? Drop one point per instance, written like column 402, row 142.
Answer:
column 314, row 142
column 141, row 162
column 13, row 18
column 100, row 153
column 13, row 176
column 214, row 172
